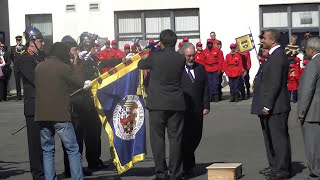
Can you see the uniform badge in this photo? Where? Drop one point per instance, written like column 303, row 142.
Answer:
column 128, row 117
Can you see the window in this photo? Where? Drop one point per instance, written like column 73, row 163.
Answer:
column 94, row 7
column 305, row 16
column 275, row 16
column 44, row 23
column 145, row 25
column 294, row 19
column 70, row 7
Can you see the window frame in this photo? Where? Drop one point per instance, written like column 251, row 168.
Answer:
column 143, row 35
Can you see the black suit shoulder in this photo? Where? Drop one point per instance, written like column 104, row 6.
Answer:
column 164, row 91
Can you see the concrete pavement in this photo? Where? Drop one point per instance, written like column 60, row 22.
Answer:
column 230, row 134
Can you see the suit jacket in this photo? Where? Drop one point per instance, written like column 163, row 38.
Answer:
column 27, row 62
column 256, row 106
column 196, row 95
column 15, row 56
column 165, row 90
column 273, row 87
column 54, row 80
column 309, row 92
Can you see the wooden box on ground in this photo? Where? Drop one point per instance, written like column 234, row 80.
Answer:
column 224, row 171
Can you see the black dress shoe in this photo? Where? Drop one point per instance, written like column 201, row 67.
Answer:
column 98, row 166
column 87, row 172
column 265, row 170
column 187, row 174
column 278, row 176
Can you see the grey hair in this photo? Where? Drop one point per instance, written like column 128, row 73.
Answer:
column 314, row 43
column 294, row 36
column 185, row 46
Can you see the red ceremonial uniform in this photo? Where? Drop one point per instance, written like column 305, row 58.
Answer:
column 118, row 54
column 199, row 58
column 213, row 60
column 106, row 55
column 293, row 81
column 246, row 60
column 233, row 65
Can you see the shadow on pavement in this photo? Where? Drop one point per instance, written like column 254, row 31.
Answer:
column 296, row 168
column 8, row 169
column 200, row 169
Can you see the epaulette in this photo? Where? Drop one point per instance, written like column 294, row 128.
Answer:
column 30, row 52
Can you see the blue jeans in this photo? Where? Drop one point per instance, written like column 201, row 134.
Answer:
column 67, row 135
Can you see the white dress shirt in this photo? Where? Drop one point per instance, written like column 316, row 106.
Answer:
column 191, row 70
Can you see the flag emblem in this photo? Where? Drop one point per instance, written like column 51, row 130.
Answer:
column 128, row 117
column 244, row 44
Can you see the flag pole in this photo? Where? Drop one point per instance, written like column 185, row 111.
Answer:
column 253, row 41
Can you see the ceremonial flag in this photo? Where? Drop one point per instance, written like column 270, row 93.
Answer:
column 121, row 111
column 245, row 43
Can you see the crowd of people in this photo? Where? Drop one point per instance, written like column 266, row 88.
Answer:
column 235, row 65
column 178, row 96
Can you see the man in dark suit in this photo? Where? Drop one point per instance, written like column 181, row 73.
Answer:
column 197, row 97
column 256, row 107
column 15, row 52
column 276, row 105
column 308, row 107
column 166, row 105
column 26, row 64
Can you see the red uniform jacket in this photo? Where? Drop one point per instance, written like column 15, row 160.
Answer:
column 213, row 60
column 199, row 58
column 298, row 69
column 246, row 60
column 293, row 81
column 118, row 54
column 106, row 55
column 233, row 65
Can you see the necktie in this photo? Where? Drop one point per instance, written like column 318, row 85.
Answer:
column 189, row 73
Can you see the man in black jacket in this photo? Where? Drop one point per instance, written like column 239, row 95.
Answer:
column 197, row 97
column 276, row 105
column 166, row 105
column 15, row 52
column 26, row 65
column 256, row 109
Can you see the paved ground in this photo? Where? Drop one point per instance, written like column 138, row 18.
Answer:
column 230, row 134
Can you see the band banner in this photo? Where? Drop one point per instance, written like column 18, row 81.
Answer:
column 245, row 43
